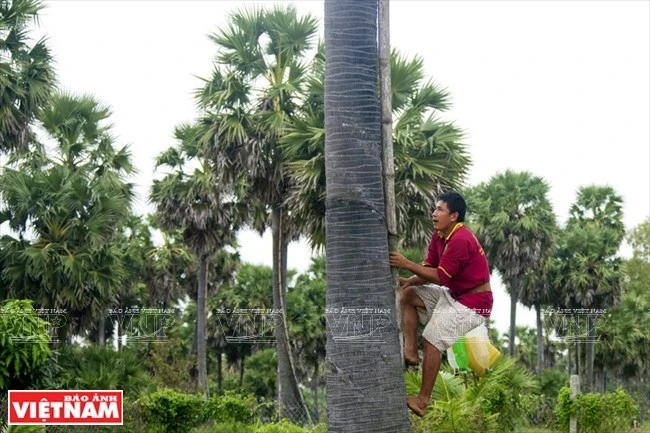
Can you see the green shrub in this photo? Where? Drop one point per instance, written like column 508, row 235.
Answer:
column 281, row 427
column 261, row 372
column 494, row 403
column 596, row 413
column 172, row 412
column 551, row 381
column 537, row 410
column 502, row 393
column 23, row 343
column 103, row 368
column 231, row 407
column 226, row 427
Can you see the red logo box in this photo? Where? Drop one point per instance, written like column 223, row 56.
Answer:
column 70, row 407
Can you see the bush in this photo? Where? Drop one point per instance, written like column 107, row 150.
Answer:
column 538, row 410
column 23, row 344
column 502, row 392
column 551, row 381
column 231, row 407
column 170, row 411
column 226, row 427
column 494, row 403
column 596, row 413
column 103, row 368
column 261, row 372
column 281, row 427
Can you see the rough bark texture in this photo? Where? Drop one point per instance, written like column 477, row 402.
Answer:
column 290, row 402
column 364, row 371
column 388, row 164
column 102, row 330
column 540, row 339
column 590, row 355
column 200, row 326
column 514, row 297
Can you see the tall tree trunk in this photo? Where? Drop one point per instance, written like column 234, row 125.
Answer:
column 591, row 335
column 514, row 297
column 161, row 336
column 200, row 326
column 118, row 334
column 241, row 372
column 290, row 401
column 219, row 373
column 365, row 374
column 101, row 329
column 388, row 163
column 315, row 381
column 540, row 339
column 578, row 369
column 193, row 348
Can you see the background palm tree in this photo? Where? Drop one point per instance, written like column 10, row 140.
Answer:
column 625, row 344
column 514, row 220
column 538, row 288
column 590, row 273
column 248, row 102
column 358, row 274
column 66, row 205
column 26, row 73
column 203, row 208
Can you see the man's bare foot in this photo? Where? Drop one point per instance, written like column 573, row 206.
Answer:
column 411, row 359
column 417, row 405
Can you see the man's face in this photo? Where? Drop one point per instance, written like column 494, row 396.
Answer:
column 443, row 220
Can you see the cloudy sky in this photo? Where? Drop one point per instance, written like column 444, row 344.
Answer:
column 560, row 89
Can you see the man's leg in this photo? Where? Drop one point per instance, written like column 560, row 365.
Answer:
column 409, row 301
column 430, row 368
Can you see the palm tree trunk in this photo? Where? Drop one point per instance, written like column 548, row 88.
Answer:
column 200, row 326
column 290, row 401
column 388, row 163
column 361, row 365
column 578, row 353
column 540, row 339
column 118, row 334
column 219, row 373
column 514, row 296
column 241, row 372
column 101, row 329
column 315, row 392
column 590, row 354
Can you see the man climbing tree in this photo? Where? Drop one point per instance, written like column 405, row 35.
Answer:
column 459, row 300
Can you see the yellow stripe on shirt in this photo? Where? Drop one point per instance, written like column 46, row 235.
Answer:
column 443, row 270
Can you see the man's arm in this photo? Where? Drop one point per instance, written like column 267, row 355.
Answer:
column 426, row 274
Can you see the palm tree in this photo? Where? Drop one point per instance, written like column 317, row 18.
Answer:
column 250, row 289
column 537, row 289
column 623, row 336
column 170, row 261
column 514, row 221
column 66, row 206
column 203, row 207
column 591, row 274
column 307, row 325
column 26, row 73
column 358, row 275
column 429, row 153
column 248, row 102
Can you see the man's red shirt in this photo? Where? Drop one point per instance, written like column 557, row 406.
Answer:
column 462, row 266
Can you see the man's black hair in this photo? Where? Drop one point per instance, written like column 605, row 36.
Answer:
column 455, row 203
